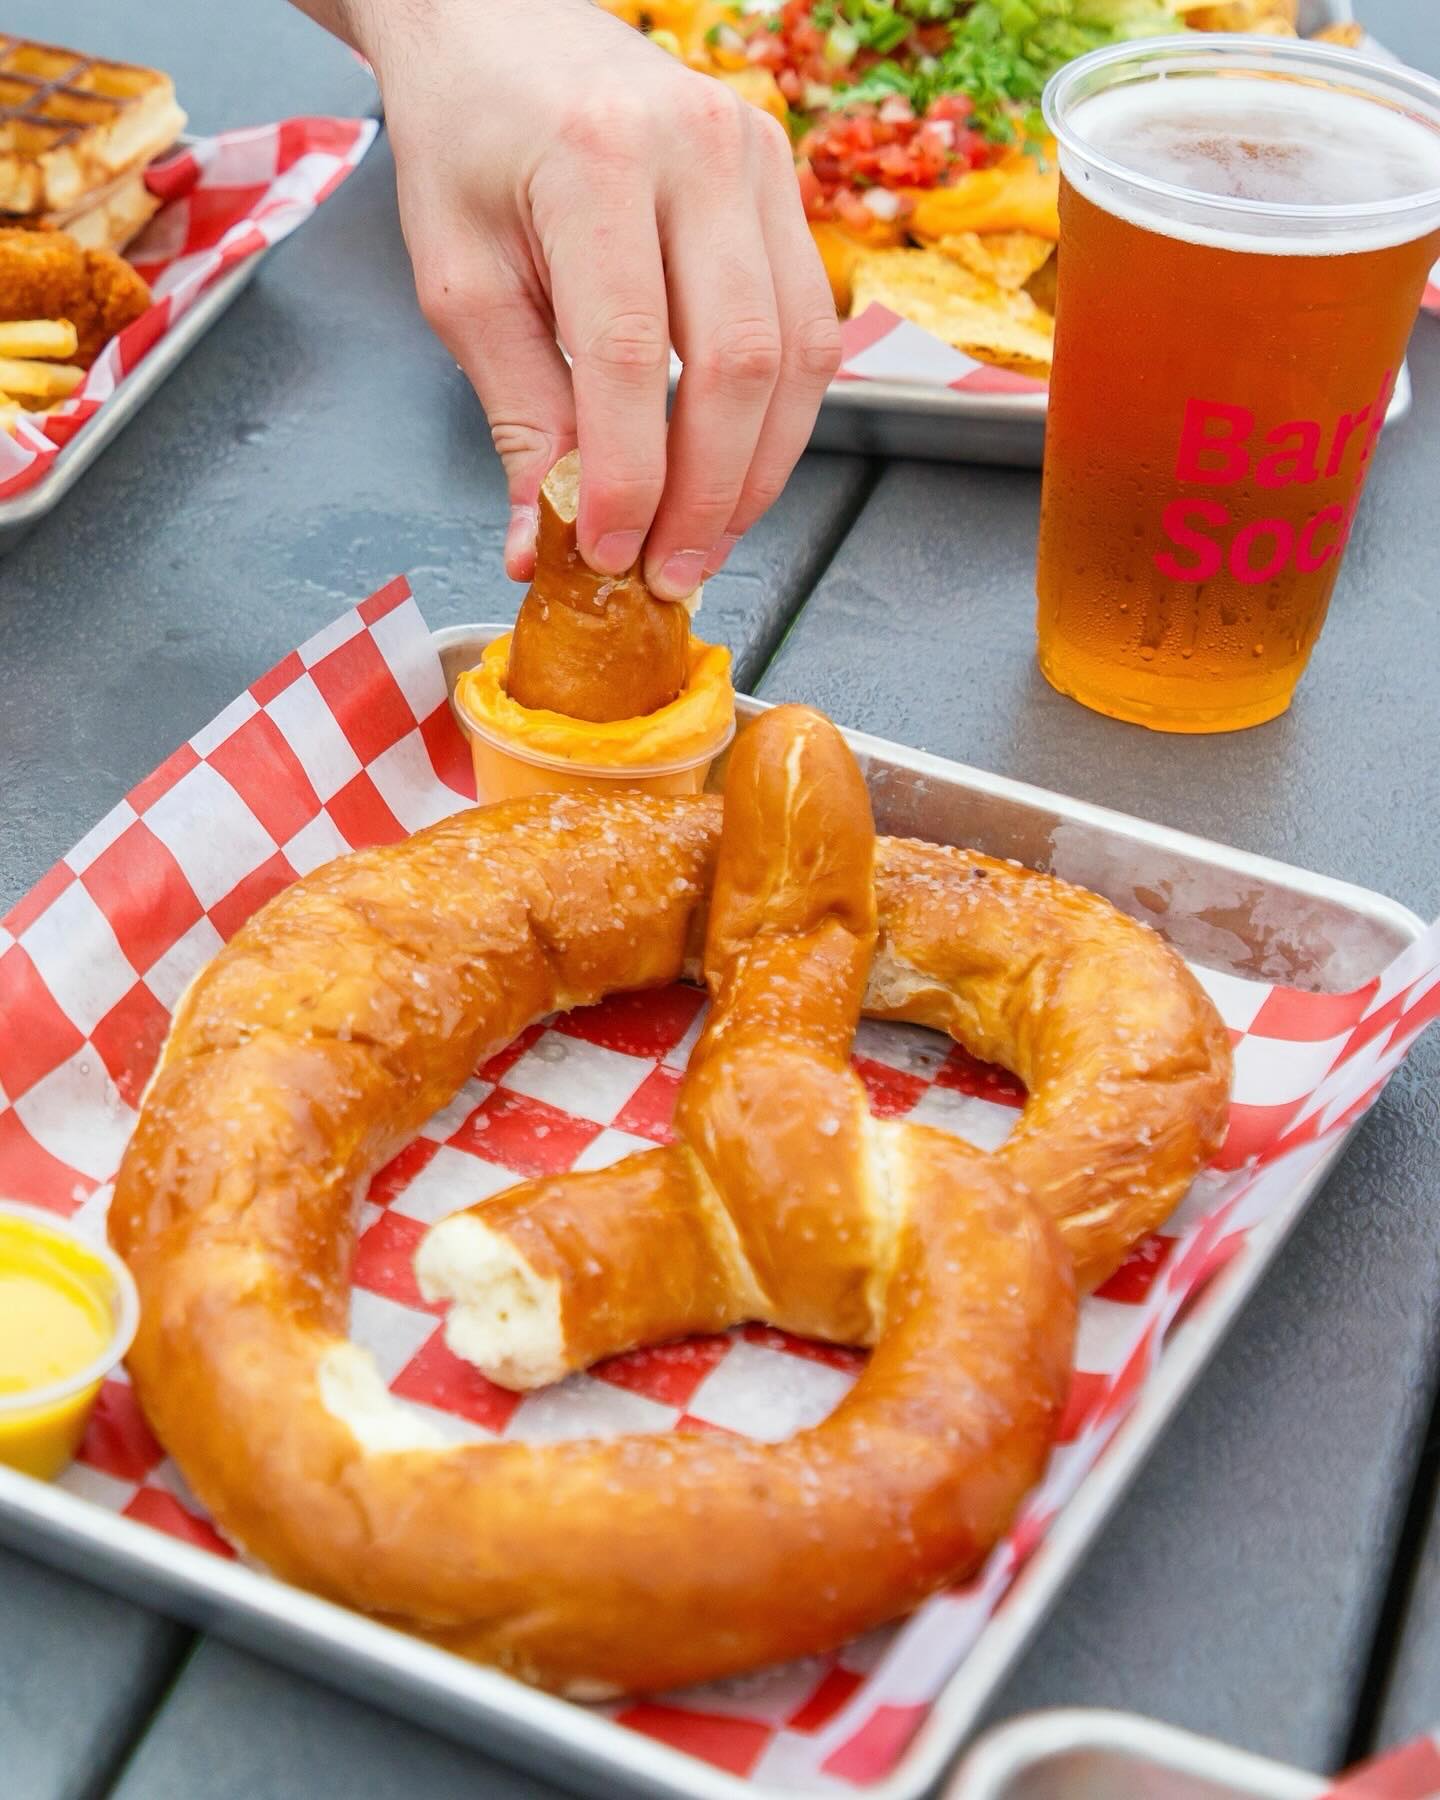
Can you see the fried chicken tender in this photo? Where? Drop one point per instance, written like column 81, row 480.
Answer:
column 46, row 275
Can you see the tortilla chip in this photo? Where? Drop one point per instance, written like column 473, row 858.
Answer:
column 760, row 88
column 1043, row 285
column 841, row 248
column 1239, row 15
column 1006, row 258
column 960, row 308
column 1350, row 35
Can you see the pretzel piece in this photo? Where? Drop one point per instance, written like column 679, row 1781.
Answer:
column 356, row 1002
column 591, row 646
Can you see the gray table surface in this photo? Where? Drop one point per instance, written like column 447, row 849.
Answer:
column 317, row 442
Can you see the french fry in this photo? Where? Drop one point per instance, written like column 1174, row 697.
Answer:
column 38, row 337
column 38, row 380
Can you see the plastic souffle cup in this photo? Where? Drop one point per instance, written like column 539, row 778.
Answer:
column 68, row 1314
column 517, row 752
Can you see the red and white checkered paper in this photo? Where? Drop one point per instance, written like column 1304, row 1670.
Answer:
column 350, row 742
column 1410, row 1773
column 226, row 198
column 878, row 345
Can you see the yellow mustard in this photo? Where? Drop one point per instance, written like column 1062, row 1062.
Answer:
column 67, row 1312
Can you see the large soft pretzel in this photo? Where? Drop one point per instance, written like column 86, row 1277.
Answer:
column 591, row 646
column 357, row 1002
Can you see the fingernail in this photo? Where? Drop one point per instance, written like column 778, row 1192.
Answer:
column 680, row 575
column 616, row 552
column 520, row 534
column 716, row 560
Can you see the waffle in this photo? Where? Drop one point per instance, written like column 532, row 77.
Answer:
column 105, row 220
column 71, row 124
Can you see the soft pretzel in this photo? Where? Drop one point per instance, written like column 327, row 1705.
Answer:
column 591, row 646
column 358, row 1001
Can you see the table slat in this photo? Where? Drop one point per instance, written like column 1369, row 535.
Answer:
column 78, row 1667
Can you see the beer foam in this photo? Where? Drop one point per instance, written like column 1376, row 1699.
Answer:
column 1289, row 144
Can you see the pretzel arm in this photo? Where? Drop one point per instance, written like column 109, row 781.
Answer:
column 554, row 1275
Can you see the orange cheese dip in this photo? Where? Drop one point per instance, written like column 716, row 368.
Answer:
column 692, row 725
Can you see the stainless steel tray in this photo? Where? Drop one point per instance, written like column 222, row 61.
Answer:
column 1084, row 1755
column 896, row 418
column 1280, row 922
column 25, row 510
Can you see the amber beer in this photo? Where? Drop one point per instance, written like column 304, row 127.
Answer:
column 1245, row 236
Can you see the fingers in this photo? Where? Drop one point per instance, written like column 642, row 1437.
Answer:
column 600, row 244
column 756, row 329
column 809, row 337
column 727, row 332
column 498, row 329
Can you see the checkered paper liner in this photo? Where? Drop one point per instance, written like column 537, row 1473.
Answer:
column 350, row 742
column 1411, row 1772
column 225, row 198
column 878, row 345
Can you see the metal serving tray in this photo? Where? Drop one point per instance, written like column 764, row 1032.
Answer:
column 1090, row 1755
column 896, row 418
column 24, row 511
column 1278, row 922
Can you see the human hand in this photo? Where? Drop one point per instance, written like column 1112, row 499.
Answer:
column 558, row 171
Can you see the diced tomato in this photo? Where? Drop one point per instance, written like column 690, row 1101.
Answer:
column 865, row 145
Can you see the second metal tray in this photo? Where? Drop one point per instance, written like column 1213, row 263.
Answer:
column 1280, row 922
column 1078, row 1754
column 897, row 418
column 901, row 419
column 21, row 513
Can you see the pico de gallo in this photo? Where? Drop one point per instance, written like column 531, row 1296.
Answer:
column 884, row 97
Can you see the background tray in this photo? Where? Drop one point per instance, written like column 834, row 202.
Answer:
column 1084, row 1755
column 893, row 418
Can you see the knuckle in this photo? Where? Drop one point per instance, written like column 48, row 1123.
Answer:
column 517, row 442
column 447, row 293
column 714, row 111
column 604, row 129
column 633, row 344
column 709, row 508
column 814, row 350
column 773, row 138
column 628, row 481
column 744, row 353
column 761, row 493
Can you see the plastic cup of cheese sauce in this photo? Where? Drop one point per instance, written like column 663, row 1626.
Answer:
column 68, row 1312
column 517, row 752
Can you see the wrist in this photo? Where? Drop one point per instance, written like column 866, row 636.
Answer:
column 398, row 36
